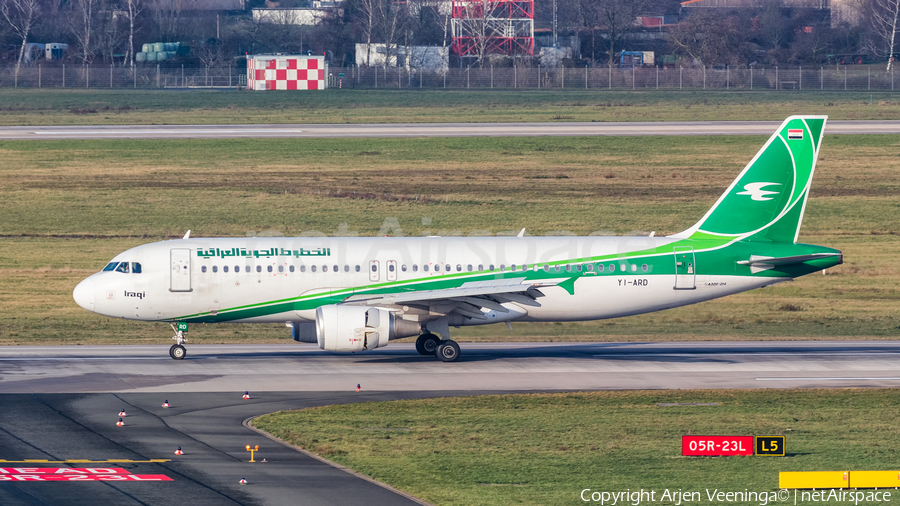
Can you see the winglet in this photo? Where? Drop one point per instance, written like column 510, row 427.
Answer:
column 187, row 235
column 521, row 233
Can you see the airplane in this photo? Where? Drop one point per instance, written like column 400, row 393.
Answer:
column 350, row 294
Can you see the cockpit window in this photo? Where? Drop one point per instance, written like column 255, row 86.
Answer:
column 123, row 267
column 110, row 266
column 136, row 267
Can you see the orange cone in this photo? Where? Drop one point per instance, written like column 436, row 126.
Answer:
column 120, row 423
column 166, row 403
column 178, row 451
column 246, row 395
column 243, row 481
column 122, row 413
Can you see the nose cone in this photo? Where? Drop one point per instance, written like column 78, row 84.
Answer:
column 84, row 294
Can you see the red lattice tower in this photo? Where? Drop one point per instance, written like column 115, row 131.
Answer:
column 486, row 27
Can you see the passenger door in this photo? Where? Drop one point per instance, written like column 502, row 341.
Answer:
column 180, row 280
column 685, row 268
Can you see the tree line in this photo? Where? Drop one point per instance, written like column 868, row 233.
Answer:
column 764, row 32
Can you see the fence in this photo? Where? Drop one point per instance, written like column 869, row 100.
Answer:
column 111, row 76
column 847, row 77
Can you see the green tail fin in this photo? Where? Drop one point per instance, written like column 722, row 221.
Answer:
column 767, row 200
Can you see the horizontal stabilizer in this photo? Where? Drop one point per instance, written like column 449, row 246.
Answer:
column 762, row 263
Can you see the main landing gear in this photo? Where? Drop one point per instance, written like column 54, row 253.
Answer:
column 178, row 351
column 445, row 350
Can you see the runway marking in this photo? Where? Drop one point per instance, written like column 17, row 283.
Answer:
column 835, row 378
column 83, row 461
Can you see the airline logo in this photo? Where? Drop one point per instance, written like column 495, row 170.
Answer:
column 756, row 192
column 795, row 134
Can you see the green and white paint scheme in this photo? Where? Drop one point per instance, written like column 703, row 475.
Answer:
column 352, row 294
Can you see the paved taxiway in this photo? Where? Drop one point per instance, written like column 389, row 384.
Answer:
column 62, row 402
column 835, row 127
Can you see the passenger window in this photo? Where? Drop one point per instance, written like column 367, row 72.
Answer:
column 335, row 269
column 357, row 268
column 374, row 267
column 280, row 268
column 203, row 269
column 403, row 267
column 458, row 268
column 447, row 267
column 425, row 267
column 502, row 268
column 390, row 267
column 415, row 267
column 622, row 267
column 302, row 268
column 480, row 267
column 135, row 268
column 246, row 268
column 546, row 268
column 491, row 267
column 557, row 268
column 568, row 268
column 589, row 267
column 469, row 267
column 633, row 267
column 259, row 268
column 237, row 268
column 612, row 267
column 224, row 268
column 269, row 268
column 324, row 268
column 346, row 268
column 123, row 267
column 215, row 268
column 291, row 268
column 578, row 267
column 599, row 267
column 644, row 268
column 110, row 266
column 312, row 268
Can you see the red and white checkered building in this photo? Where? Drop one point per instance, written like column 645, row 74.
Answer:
column 298, row 72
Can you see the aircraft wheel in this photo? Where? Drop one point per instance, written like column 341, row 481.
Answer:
column 177, row 351
column 448, row 351
column 427, row 344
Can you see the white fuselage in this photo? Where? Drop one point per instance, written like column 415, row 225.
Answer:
column 266, row 279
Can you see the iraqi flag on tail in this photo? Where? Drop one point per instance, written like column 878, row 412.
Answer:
column 795, row 134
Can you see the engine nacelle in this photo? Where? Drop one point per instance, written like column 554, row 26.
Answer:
column 357, row 328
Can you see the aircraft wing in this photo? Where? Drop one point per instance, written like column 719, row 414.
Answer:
column 468, row 299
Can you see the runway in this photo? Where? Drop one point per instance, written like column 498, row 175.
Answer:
column 413, row 130
column 484, row 366
column 61, row 403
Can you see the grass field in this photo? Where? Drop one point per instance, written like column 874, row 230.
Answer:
column 544, row 449
column 70, row 206
column 83, row 106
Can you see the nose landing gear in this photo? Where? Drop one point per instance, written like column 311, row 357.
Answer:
column 177, row 351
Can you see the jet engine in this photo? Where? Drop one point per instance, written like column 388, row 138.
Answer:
column 357, row 328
